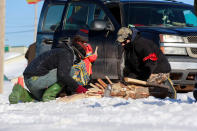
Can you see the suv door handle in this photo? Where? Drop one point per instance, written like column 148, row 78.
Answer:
column 65, row 40
column 48, row 41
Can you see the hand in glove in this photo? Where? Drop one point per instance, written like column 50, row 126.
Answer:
column 81, row 89
column 158, row 78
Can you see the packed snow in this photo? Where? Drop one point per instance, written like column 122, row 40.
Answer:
column 15, row 64
column 10, row 55
column 104, row 114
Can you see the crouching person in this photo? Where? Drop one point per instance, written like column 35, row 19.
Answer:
column 82, row 71
column 46, row 75
column 142, row 59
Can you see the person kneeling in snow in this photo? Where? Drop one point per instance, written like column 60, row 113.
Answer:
column 46, row 75
column 142, row 59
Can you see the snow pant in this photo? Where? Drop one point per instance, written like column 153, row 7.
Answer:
column 38, row 84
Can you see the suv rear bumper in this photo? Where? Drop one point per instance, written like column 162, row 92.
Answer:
column 184, row 70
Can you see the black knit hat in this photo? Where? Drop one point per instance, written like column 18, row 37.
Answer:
column 82, row 34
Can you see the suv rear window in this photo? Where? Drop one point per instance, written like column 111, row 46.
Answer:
column 159, row 15
column 53, row 18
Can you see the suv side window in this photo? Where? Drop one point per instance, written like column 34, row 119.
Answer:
column 190, row 18
column 81, row 14
column 53, row 18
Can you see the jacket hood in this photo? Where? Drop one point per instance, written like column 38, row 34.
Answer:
column 135, row 35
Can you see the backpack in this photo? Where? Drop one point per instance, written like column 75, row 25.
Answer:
column 80, row 74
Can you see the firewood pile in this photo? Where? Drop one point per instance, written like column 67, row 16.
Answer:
column 101, row 89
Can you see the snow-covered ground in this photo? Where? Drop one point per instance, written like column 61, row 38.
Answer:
column 14, row 67
column 10, row 55
column 105, row 114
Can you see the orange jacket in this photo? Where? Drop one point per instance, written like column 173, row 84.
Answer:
column 89, row 58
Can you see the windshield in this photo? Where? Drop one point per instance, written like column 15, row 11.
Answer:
column 139, row 14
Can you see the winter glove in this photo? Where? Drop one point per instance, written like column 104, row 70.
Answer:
column 81, row 89
column 158, row 78
column 89, row 48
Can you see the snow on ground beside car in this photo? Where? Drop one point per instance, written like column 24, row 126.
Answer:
column 14, row 67
column 105, row 114
column 10, row 55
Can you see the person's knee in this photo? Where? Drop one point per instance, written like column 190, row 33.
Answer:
column 37, row 94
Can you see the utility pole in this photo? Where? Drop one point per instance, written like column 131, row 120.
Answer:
column 35, row 22
column 2, row 38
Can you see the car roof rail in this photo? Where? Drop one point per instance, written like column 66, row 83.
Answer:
column 110, row 0
column 174, row 1
column 136, row 0
column 171, row 0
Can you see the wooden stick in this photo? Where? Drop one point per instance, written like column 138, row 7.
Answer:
column 144, row 83
column 102, row 83
column 135, row 81
column 110, row 82
column 75, row 97
column 92, row 85
column 100, row 86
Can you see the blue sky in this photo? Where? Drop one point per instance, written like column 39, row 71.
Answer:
column 20, row 22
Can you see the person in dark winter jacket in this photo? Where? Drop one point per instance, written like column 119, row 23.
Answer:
column 48, row 73
column 142, row 58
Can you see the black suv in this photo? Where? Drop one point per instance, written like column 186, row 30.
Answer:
column 172, row 25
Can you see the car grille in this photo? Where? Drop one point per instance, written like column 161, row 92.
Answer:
column 192, row 51
column 192, row 39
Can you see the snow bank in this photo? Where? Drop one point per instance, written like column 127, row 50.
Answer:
column 10, row 55
column 14, row 68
